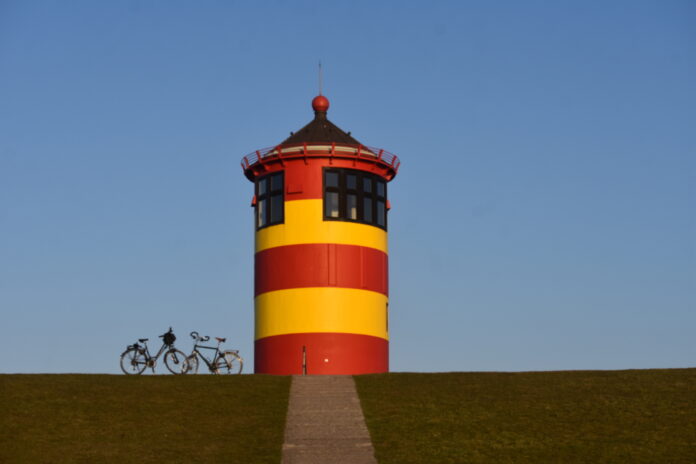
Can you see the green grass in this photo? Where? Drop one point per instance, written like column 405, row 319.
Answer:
column 566, row 417
column 569, row 417
column 148, row 419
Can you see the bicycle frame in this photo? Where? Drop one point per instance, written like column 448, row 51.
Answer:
column 150, row 361
column 209, row 363
column 159, row 352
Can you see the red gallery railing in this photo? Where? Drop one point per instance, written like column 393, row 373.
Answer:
column 322, row 150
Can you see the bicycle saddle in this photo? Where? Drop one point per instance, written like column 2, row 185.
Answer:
column 143, row 340
column 221, row 340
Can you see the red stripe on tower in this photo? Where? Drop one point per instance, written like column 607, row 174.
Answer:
column 359, row 354
column 321, row 265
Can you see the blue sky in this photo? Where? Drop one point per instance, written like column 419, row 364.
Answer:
column 543, row 218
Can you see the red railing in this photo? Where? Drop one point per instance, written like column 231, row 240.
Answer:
column 322, row 150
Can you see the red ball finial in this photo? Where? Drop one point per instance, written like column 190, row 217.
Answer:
column 320, row 104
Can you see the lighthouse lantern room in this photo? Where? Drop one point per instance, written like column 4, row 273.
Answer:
column 321, row 286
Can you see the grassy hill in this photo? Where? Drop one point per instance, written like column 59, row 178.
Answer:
column 148, row 419
column 570, row 417
column 646, row 416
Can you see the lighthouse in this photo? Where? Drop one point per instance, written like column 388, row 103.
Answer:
column 321, row 282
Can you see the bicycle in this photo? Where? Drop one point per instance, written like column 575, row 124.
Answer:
column 223, row 362
column 137, row 357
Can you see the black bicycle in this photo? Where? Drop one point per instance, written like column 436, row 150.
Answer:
column 223, row 362
column 137, row 357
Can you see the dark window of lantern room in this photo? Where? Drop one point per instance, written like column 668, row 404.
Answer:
column 355, row 196
column 269, row 200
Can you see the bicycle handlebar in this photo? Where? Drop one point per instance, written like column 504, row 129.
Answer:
column 195, row 335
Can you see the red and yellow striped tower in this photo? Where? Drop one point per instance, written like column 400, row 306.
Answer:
column 321, row 268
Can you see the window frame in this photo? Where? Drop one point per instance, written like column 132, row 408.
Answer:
column 264, row 201
column 361, row 195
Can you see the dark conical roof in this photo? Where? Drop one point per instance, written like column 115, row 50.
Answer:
column 320, row 130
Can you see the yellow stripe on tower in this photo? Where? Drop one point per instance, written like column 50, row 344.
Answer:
column 321, row 309
column 304, row 223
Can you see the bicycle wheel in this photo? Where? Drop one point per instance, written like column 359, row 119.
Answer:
column 175, row 361
column 192, row 364
column 133, row 361
column 229, row 362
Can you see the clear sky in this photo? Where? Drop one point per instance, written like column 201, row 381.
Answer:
column 544, row 216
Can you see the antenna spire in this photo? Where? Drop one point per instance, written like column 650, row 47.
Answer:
column 321, row 78
column 320, row 102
